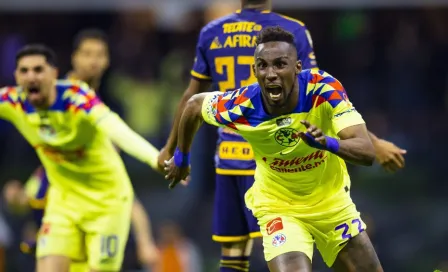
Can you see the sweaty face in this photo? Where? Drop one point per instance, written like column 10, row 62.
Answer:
column 91, row 59
column 36, row 77
column 276, row 68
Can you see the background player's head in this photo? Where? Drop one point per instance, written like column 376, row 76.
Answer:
column 276, row 65
column 36, row 72
column 90, row 57
column 265, row 4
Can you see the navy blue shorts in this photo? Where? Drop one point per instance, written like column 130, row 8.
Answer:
column 232, row 221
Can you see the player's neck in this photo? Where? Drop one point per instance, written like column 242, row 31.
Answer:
column 263, row 6
column 51, row 99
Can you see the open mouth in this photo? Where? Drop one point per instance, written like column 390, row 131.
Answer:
column 275, row 91
column 33, row 90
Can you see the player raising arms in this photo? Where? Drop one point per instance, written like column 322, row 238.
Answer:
column 90, row 198
column 90, row 60
column 224, row 55
column 302, row 128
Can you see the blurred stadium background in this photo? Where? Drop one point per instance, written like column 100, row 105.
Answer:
column 391, row 55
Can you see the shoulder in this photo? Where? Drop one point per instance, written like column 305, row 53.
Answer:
column 290, row 23
column 9, row 94
column 77, row 94
column 320, row 87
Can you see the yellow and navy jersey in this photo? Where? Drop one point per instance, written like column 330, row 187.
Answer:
column 224, row 55
column 286, row 166
column 78, row 157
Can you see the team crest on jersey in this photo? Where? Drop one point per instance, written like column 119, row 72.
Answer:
column 278, row 240
column 288, row 137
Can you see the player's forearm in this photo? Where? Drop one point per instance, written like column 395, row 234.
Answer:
column 128, row 140
column 172, row 139
column 372, row 136
column 141, row 225
column 189, row 124
column 357, row 151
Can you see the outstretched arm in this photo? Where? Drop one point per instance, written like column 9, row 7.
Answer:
column 146, row 249
column 195, row 87
column 128, row 140
column 388, row 154
column 190, row 121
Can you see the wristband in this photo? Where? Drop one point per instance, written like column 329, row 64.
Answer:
column 181, row 159
column 331, row 145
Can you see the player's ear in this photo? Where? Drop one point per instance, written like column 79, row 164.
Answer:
column 254, row 70
column 298, row 66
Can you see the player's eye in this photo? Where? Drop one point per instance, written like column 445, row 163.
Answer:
column 23, row 70
column 38, row 69
column 261, row 65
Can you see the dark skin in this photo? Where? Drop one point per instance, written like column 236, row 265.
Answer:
column 276, row 68
column 387, row 154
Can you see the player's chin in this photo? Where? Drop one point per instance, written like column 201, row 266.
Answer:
column 35, row 99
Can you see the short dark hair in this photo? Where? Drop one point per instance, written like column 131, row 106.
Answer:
column 87, row 34
column 250, row 2
column 37, row 49
column 275, row 34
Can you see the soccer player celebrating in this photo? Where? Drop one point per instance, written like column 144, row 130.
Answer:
column 90, row 199
column 90, row 60
column 224, row 55
column 302, row 127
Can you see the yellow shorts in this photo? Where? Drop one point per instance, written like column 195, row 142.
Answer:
column 79, row 267
column 292, row 231
column 84, row 235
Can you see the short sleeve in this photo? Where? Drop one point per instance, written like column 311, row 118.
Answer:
column 201, row 69
column 210, row 108
column 94, row 108
column 8, row 100
column 343, row 113
column 305, row 51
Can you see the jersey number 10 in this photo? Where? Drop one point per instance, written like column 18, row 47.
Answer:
column 227, row 64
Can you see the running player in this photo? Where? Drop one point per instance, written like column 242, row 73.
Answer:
column 302, row 127
column 90, row 198
column 223, row 57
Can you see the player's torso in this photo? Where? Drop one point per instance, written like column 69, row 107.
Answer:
column 77, row 157
column 283, row 159
column 231, row 44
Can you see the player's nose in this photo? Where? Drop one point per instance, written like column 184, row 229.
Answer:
column 271, row 74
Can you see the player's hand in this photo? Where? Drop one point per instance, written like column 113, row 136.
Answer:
column 149, row 256
column 176, row 174
column 164, row 155
column 313, row 136
column 389, row 155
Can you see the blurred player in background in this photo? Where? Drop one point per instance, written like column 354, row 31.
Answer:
column 302, row 128
column 90, row 59
column 224, row 55
column 89, row 202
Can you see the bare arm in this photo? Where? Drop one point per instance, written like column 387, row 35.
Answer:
column 190, row 122
column 355, row 145
column 195, row 87
column 128, row 140
column 141, row 225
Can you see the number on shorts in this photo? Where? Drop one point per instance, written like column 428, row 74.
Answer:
column 109, row 245
column 345, row 234
column 346, row 228
column 357, row 221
